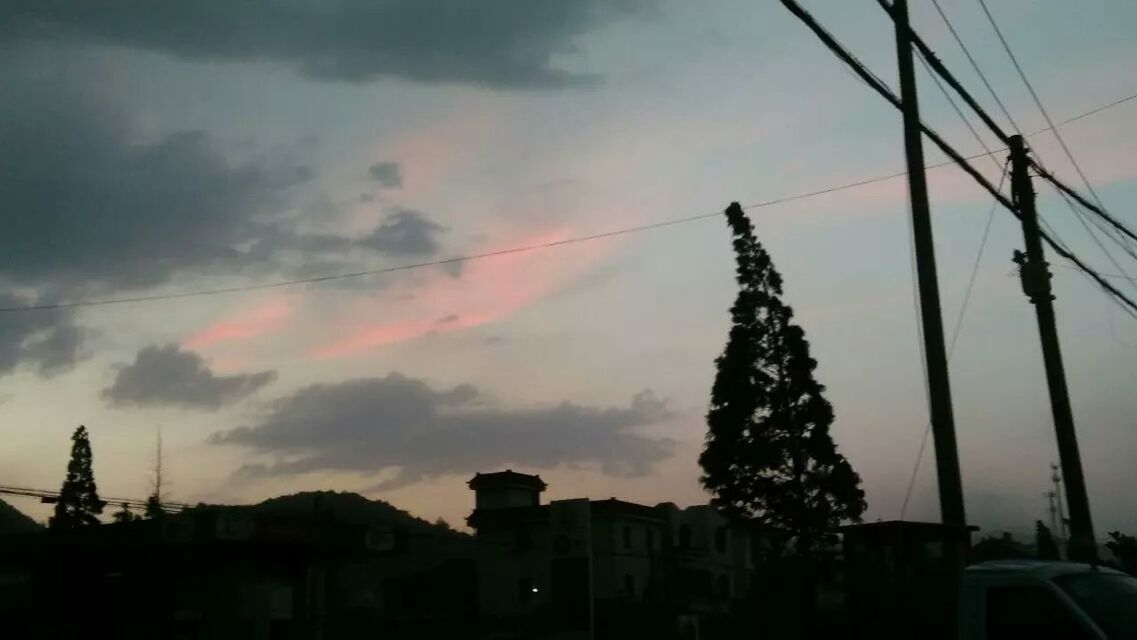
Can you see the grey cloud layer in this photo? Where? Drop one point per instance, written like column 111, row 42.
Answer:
column 504, row 43
column 388, row 175
column 405, row 232
column 87, row 203
column 46, row 340
column 169, row 376
column 373, row 424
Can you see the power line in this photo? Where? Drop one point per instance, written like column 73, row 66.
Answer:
column 1057, row 135
column 453, row 260
column 1105, row 215
column 1037, row 100
column 843, row 54
column 54, row 496
column 383, row 270
column 525, row 248
column 1094, row 111
column 1099, row 209
column 929, row 58
column 959, row 112
column 975, row 65
column 1093, row 236
column 1119, row 276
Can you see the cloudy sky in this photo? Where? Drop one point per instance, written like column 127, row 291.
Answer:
column 214, row 145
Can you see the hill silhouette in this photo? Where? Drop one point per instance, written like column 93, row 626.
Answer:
column 346, row 507
column 12, row 520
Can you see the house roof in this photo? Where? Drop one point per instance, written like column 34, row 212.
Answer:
column 506, row 478
column 612, row 506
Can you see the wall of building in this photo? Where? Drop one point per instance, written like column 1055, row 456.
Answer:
column 506, row 497
column 512, row 561
column 627, row 556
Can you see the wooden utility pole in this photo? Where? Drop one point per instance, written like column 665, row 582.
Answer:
column 939, row 385
column 1036, row 285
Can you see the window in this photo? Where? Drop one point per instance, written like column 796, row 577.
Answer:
column 630, row 584
column 685, row 537
column 1029, row 612
column 649, row 539
column 720, row 539
column 627, row 538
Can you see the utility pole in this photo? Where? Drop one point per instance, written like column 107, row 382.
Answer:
column 939, row 386
column 1057, row 480
column 1036, row 285
column 154, row 502
column 1050, row 495
column 158, row 468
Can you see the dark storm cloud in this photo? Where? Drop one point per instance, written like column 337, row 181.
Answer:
column 47, row 340
column 169, row 376
column 387, row 174
column 405, row 232
column 503, row 43
column 397, row 422
column 87, row 202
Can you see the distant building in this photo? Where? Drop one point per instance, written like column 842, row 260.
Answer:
column 316, row 565
column 336, row 565
column 572, row 565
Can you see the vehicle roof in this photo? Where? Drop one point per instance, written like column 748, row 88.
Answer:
column 1038, row 568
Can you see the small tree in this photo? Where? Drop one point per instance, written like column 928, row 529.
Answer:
column 124, row 514
column 79, row 503
column 769, row 455
column 1045, row 545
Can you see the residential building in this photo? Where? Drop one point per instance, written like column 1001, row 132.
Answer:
column 569, row 566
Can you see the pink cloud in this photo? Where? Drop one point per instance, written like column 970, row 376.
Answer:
column 267, row 317
column 488, row 290
column 430, row 153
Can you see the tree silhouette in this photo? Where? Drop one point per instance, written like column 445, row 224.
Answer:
column 154, row 507
column 768, row 454
column 79, row 503
column 124, row 514
column 1045, row 545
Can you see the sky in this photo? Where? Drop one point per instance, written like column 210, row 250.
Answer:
column 216, row 145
